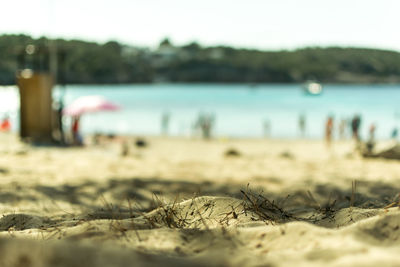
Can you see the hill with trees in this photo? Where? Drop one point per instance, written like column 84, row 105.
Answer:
column 83, row 62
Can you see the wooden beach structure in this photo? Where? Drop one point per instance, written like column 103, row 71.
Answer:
column 36, row 113
column 39, row 121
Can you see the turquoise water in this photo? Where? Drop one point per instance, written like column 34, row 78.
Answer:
column 239, row 109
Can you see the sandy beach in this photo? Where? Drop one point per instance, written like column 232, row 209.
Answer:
column 187, row 202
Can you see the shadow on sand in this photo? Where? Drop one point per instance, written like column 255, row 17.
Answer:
column 147, row 193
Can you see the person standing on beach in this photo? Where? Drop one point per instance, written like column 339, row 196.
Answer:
column 355, row 126
column 165, row 123
column 372, row 129
column 329, row 130
column 207, row 126
column 76, row 138
column 267, row 128
column 394, row 134
column 342, row 128
column 302, row 124
column 5, row 125
column 371, row 139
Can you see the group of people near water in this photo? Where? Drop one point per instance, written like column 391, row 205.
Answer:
column 353, row 124
column 203, row 124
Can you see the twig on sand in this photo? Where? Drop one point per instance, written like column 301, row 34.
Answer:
column 133, row 223
column 310, row 195
column 395, row 203
column 267, row 210
column 353, row 193
column 201, row 217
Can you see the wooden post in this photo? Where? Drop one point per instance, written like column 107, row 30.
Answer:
column 36, row 123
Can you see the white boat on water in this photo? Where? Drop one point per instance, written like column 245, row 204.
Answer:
column 312, row 88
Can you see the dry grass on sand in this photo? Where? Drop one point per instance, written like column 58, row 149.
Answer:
column 179, row 202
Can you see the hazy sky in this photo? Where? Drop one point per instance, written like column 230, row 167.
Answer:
column 263, row 24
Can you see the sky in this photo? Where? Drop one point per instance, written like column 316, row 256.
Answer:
column 260, row 24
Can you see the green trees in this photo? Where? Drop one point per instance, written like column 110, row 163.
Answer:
column 92, row 63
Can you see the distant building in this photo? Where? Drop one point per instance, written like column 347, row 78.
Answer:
column 165, row 54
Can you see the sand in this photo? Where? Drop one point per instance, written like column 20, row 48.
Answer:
column 187, row 202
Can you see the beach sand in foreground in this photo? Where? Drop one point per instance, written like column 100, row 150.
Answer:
column 183, row 202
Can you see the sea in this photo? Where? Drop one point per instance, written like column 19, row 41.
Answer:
column 239, row 110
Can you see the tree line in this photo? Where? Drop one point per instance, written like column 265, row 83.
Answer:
column 83, row 62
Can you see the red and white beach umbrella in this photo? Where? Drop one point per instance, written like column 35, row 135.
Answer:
column 88, row 104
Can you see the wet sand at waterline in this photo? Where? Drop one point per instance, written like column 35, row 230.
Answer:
column 185, row 202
